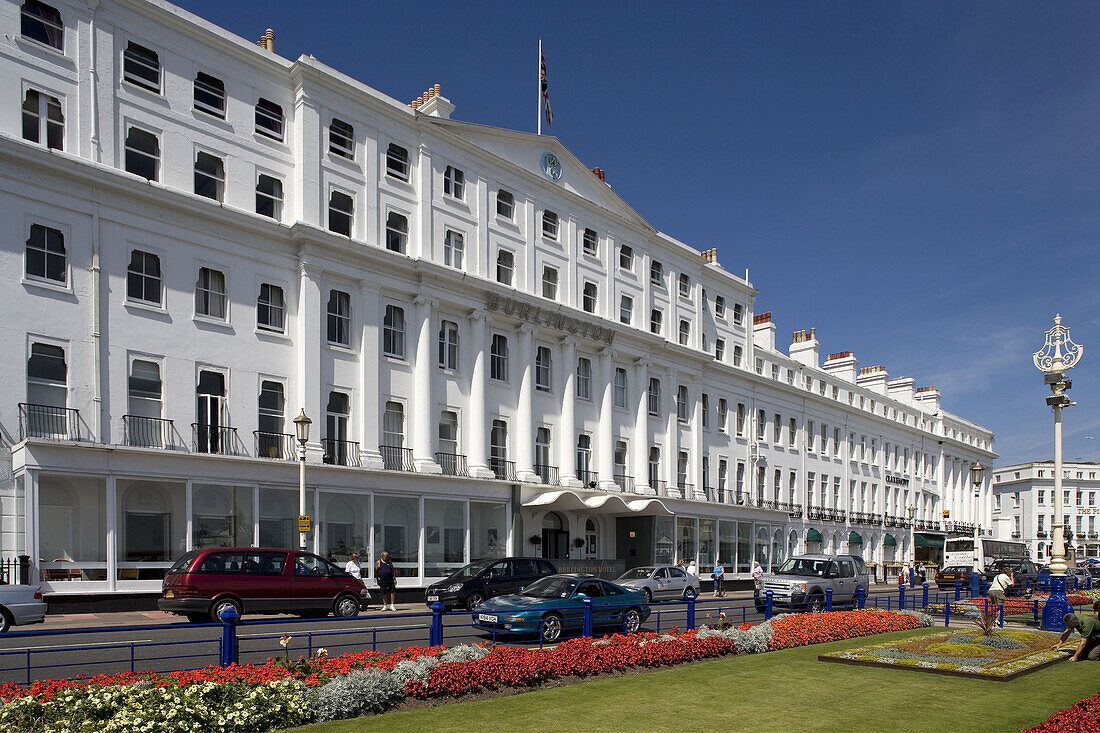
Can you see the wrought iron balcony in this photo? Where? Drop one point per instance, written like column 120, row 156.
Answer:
column 279, row 446
column 547, row 474
column 658, row 485
column 795, row 511
column 1092, row 535
column 46, row 421
column 147, row 432
column 502, row 469
column 743, row 498
column 624, row 482
column 340, row 452
column 453, row 464
column 817, row 512
column 214, row 439
column 686, row 489
column 590, row 479
column 396, row 458
column 1015, row 535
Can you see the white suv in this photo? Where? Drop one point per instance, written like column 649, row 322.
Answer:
column 799, row 584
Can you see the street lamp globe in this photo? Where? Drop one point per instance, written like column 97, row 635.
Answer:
column 977, row 471
column 301, row 426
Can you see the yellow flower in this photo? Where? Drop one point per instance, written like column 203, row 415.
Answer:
column 285, row 640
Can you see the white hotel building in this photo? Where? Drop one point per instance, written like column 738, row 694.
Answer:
column 1023, row 507
column 201, row 239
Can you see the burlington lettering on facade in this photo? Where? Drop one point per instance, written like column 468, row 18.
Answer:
column 535, row 314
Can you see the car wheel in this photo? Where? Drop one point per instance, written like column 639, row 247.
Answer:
column 346, row 607
column 648, row 595
column 551, row 627
column 5, row 620
column 474, row 600
column 632, row 621
column 816, row 604
column 689, row 590
column 220, row 605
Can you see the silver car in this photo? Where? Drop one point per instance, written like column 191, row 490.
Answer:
column 21, row 604
column 660, row 582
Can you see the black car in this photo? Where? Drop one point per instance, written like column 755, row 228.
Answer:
column 472, row 585
column 1024, row 572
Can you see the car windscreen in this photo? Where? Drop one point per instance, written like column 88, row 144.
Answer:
column 637, row 574
column 468, row 571
column 553, row 586
column 182, row 564
column 803, row 566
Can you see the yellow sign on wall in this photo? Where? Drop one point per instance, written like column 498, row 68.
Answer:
column 303, row 522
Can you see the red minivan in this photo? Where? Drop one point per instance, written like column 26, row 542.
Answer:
column 203, row 583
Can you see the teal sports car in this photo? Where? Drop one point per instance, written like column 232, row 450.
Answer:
column 550, row 606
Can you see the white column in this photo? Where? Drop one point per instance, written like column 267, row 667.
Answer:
column 672, row 439
column 695, row 461
column 523, row 430
column 478, row 430
column 308, row 345
column 423, row 457
column 567, row 432
column 641, row 428
column 606, row 441
column 369, row 349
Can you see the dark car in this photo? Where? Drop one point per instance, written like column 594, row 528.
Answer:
column 472, row 585
column 946, row 578
column 555, row 604
column 204, row 583
column 1025, row 572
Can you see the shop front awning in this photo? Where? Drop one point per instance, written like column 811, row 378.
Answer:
column 855, row 539
column 928, row 540
column 603, row 503
column 890, row 541
column 813, row 536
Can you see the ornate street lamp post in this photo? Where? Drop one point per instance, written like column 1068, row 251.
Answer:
column 301, row 427
column 1058, row 354
column 976, row 473
column 911, row 511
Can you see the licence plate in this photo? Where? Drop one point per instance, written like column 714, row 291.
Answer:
column 433, row 599
column 488, row 618
column 169, row 594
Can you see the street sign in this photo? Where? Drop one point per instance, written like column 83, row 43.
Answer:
column 303, row 523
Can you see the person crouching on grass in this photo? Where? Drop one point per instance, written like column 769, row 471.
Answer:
column 1089, row 627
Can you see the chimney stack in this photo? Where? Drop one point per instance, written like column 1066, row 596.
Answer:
column 873, row 378
column 929, row 399
column 433, row 103
column 600, row 174
column 841, row 365
column 902, row 390
column 763, row 330
column 804, row 348
column 268, row 41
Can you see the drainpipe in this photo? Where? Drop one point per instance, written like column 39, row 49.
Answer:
column 93, row 83
column 101, row 429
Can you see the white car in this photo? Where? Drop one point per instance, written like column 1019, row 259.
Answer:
column 660, row 582
column 21, row 604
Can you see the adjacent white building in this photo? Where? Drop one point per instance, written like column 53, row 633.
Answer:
column 499, row 355
column 1023, row 506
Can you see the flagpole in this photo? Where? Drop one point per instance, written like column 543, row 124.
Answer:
column 538, row 88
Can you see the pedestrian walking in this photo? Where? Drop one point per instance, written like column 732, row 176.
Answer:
column 757, row 571
column 719, row 579
column 901, row 577
column 353, row 568
column 387, row 581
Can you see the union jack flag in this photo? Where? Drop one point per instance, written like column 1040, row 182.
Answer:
column 545, row 88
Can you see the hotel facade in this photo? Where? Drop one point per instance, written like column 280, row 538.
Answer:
column 1023, row 507
column 201, row 239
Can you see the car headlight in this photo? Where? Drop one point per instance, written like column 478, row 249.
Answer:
column 454, row 587
column 798, row 588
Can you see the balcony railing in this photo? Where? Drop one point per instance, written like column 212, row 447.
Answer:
column 214, row 439
column 1015, row 535
column 340, row 452
column 590, row 479
column 45, row 421
column 1092, row 535
column 817, row 512
column 624, row 482
column 795, row 511
column 743, row 498
column 279, row 446
column 453, row 464
column 396, row 458
column 147, row 432
column 1041, row 533
column 659, row 485
column 686, row 489
column 927, row 524
column 547, row 474
column 502, row 469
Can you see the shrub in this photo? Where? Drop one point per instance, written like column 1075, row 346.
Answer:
column 1001, row 642
column 952, row 649
column 357, row 693
column 926, row 621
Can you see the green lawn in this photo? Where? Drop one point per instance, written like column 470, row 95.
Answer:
column 779, row 691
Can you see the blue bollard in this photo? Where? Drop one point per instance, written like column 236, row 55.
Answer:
column 958, row 590
column 768, row 604
column 435, row 632
column 924, row 601
column 901, row 597
column 861, row 597
column 1056, row 606
column 690, row 611
column 229, row 637
column 828, row 599
column 586, row 628
column 1001, row 616
column 975, row 584
column 1035, row 611
column 946, row 612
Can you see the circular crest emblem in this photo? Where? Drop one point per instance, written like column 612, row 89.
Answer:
column 551, row 166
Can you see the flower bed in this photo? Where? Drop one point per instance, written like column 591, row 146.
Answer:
column 1081, row 717
column 282, row 693
column 1003, row 655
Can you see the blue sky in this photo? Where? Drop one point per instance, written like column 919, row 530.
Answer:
column 919, row 181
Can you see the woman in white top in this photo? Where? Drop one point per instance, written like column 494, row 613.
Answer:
column 691, row 569
column 353, row 568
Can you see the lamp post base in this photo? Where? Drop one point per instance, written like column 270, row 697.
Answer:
column 1057, row 606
